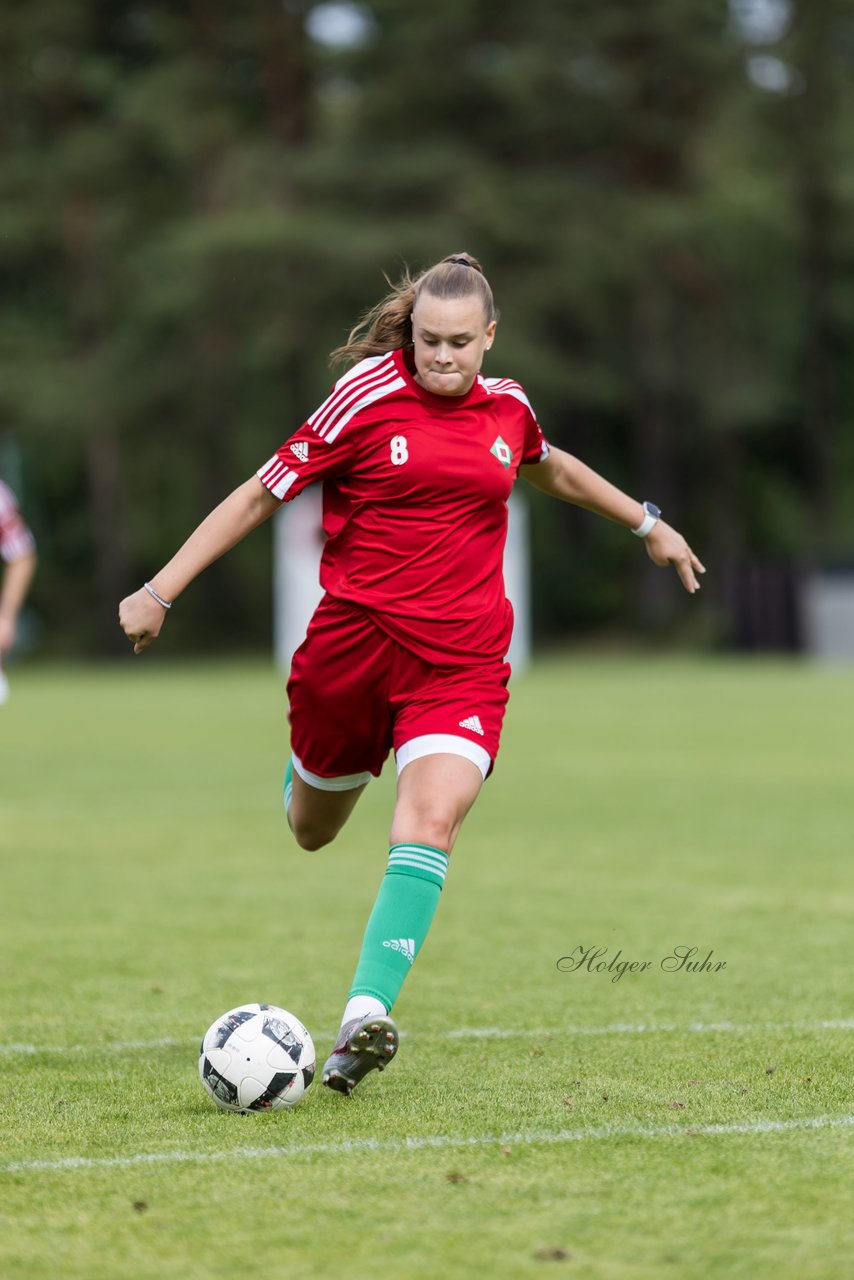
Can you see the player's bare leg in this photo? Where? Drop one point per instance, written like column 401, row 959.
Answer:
column 433, row 797
column 316, row 816
column 434, row 794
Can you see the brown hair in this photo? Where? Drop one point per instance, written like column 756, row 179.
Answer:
column 388, row 325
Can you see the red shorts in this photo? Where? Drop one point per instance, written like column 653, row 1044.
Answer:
column 355, row 693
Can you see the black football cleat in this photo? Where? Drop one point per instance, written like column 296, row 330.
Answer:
column 363, row 1044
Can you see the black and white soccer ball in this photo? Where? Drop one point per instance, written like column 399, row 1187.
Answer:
column 257, row 1058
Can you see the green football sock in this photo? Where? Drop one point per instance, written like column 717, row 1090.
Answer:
column 399, row 923
column 287, row 788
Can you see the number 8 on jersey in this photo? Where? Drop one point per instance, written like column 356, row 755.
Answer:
column 399, row 451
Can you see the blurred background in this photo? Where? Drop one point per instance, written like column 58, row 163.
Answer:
column 197, row 200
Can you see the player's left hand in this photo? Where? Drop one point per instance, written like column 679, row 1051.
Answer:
column 665, row 545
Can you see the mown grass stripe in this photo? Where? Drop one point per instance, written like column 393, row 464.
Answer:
column 429, row 1143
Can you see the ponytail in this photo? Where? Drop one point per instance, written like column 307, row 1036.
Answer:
column 388, row 325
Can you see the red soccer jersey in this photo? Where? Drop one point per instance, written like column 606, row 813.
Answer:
column 415, row 502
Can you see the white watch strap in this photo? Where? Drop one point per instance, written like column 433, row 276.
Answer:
column 646, row 525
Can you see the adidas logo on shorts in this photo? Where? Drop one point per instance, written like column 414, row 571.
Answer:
column 405, row 945
column 473, row 723
column 301, row 450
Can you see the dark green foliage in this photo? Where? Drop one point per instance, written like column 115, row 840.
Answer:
column 197, row 201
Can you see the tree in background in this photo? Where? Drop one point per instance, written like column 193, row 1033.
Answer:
column 196, row 202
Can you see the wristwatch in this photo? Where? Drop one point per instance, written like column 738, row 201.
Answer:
column 652, row 515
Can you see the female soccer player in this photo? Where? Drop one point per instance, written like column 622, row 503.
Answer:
column 418, row 454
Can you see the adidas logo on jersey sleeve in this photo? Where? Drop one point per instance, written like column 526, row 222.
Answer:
column 472, row 723
column 300, row 448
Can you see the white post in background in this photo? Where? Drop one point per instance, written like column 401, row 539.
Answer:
column 827, row 605
column 298, row 543
column 517, row 582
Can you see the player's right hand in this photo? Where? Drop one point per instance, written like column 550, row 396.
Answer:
column 141, row 617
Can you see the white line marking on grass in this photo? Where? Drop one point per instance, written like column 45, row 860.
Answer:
column 120, row 1046
column 645, row 1028
column 471, row 1033
column 430, row 1143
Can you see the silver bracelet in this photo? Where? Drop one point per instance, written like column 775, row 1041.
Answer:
column 150, row 589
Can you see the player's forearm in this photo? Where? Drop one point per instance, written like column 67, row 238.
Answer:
column 16, row 584
column 241, row 512
column 563, row 476
column 586, row 488
column 566, row 477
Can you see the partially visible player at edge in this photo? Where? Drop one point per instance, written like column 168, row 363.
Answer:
column 18, row 552
column 418, row 453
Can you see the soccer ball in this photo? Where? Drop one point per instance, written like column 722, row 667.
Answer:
column 257, row 1057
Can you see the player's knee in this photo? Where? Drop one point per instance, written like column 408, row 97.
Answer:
column 433, row 828
column 437, row 832
column 310, row 836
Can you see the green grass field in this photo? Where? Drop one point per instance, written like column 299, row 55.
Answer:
column 536, row 1121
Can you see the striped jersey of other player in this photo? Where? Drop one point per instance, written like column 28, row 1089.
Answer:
column 418, row 452
column 18, row 553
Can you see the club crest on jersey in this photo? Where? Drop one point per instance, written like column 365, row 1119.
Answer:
column 300, row 448
column 502, row 451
